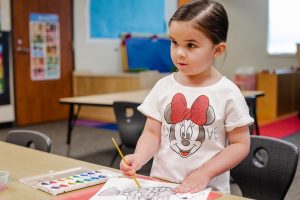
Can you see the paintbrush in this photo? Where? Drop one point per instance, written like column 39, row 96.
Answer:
column 125, row 161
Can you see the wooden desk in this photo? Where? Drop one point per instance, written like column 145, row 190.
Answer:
column 87, row 83
column 102, row 100
column 23, row 162
column 107, row 100
column 253, row 93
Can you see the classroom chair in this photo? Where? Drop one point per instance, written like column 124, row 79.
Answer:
column 29, row 138
column 268, row 170
column 251, row 102
column 130, row 123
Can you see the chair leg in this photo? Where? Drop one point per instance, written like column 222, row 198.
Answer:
column 115, row 156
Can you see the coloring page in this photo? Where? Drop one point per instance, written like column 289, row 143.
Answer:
column 126, row 189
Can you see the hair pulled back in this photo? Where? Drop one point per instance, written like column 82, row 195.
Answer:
column 209, row 16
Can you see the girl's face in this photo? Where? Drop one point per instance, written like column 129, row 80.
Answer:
column 191, row 50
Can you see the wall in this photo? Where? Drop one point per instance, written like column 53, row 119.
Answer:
column 100, row 56
column 246, row 40
column 7, row 111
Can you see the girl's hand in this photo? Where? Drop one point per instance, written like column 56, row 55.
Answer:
column 193, row 183
column 133, row 165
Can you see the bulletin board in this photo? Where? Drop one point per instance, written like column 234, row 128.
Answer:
column 141, row 53
column 108, row 19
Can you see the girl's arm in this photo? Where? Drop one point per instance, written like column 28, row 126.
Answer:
column 234, row 153
column 147, row 146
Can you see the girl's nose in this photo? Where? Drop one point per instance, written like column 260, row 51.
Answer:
column 180, row 52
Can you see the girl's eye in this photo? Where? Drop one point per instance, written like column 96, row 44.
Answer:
column 174, row 42
column 191, row 45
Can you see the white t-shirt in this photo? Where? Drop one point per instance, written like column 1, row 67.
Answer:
column 194, row 125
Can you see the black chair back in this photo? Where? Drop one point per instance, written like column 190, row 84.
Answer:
column 269, row 169
column 130, row 124
column 28, row 138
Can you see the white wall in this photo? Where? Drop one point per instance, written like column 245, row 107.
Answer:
column 100, row 56
column 7, row 111
column 247, row 40
column 95, row 56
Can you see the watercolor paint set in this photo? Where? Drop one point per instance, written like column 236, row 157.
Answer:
column 73, row 182
column 68, row 180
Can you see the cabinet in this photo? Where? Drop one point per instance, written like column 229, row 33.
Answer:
column 91, row 83
column 281, row 94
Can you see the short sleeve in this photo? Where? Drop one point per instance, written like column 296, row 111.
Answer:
column 150, row 107
column 237, row 112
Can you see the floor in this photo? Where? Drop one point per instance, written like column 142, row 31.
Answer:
column 94, row 145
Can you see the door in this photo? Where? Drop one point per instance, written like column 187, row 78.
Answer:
column 37, row 90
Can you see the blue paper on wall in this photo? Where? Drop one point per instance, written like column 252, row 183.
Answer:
column 108, row 19
column 149, row 54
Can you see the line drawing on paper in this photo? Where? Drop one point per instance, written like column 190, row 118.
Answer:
column 126, row 189
column 148, row 193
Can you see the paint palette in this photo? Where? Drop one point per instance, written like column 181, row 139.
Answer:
column 69, row 180
column 73, row 182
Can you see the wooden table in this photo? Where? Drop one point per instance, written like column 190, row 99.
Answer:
column 24, row 162
column 107, row 100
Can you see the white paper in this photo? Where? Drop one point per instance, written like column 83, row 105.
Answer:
column 126, row 189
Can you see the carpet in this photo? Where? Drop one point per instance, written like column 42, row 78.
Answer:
column 96, row 124
column 281, row 128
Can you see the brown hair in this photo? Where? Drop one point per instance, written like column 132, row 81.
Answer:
column 209, row 16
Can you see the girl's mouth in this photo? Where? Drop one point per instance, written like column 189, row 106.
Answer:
column 182, row 64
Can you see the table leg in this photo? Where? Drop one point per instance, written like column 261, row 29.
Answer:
column 251, row 102
column 72, row 121
column 255, row 117
column 70, row 124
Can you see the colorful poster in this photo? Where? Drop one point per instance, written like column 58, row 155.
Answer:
column 1, row 71
column 0, row 17
column 44, row 46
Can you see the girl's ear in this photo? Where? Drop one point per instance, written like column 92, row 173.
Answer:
column 220, row 49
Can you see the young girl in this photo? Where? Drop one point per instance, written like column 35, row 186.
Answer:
column 197, row 119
